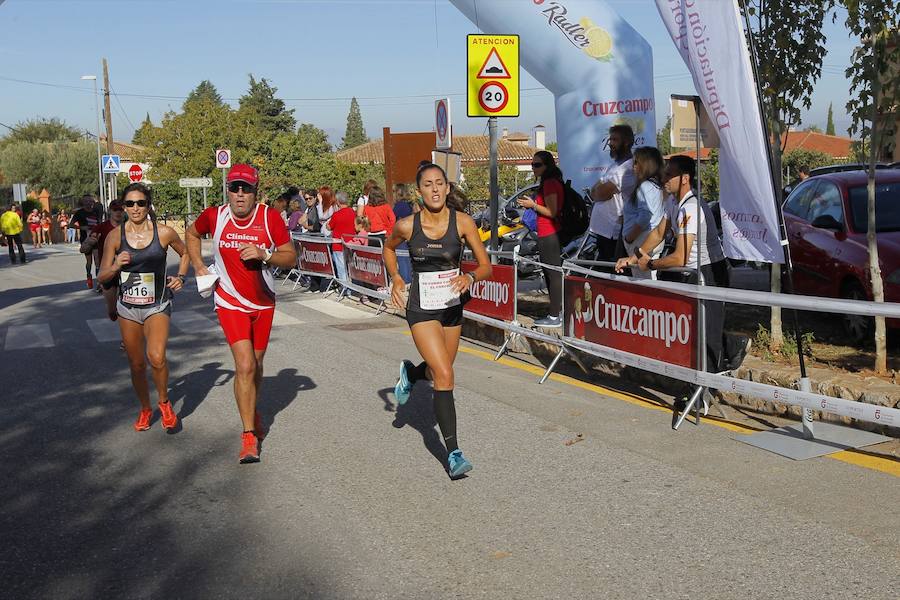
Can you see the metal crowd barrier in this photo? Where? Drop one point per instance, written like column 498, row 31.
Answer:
column 568, row 345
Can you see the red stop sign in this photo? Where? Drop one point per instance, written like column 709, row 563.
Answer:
column 135, row 173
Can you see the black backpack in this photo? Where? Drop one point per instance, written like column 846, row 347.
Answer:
column 575, row 215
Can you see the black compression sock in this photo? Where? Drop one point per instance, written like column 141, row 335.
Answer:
column 445, row 411
column 417, row 373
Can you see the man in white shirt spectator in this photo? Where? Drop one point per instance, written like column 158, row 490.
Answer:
column 609, row 193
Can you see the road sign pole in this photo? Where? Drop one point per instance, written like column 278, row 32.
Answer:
column 224, row 196
column 204, row 198
column 189, row 203
column 495, row 184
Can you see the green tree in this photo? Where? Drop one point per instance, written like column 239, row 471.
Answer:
column 814, row 128
column 261, row 106
column 64, row 168
column 553, row 147
column 146, row 134
column 205, row 91
column 790, row 47
column 42, row 130
column 476, row 183
column 829, row 126
column 355, row 133
column 798, row 157
column 874, row 74
column 664, row 138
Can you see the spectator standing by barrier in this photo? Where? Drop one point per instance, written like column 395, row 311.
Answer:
column 403, row 208
column 547, row 203
column 434, row 308
column 11, row 226
column 62, row 219
column 295, row 215
column 325, row 205
column 343, row 222
column 683, row 214
column 280, row 205
column 609, row 193
column 380, row 215
column 645, row 208
column 364, row 199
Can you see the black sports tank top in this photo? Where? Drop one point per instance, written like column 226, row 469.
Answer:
column 142, row 282
column 432, row 255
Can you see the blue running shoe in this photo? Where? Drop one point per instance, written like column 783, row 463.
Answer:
column 458, row 465
column 403, row 387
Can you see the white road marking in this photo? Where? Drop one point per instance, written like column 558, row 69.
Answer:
column 105, row 330
column 191, row 321
column 281, row 318
column 333, row 309
column 29, row 335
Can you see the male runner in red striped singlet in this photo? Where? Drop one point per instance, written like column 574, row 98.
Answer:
column 248, row 238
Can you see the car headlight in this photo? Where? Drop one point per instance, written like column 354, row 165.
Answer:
column 894, row 277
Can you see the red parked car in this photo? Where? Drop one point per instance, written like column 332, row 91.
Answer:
column 827, row 223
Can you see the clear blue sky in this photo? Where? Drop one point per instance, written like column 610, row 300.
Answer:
column 397, row 56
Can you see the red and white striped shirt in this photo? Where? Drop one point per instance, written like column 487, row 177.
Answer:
column 245, row 286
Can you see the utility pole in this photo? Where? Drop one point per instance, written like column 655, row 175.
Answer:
column 110, row 148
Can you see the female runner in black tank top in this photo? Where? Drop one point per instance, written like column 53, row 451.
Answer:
column 434, row 310
column 135, row 255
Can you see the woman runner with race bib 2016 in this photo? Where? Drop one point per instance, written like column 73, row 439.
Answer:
column 135, row 253
column 435, row 305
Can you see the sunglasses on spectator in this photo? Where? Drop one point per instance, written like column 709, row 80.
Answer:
column 235, row 186
column 537, row 165
column 141, row 203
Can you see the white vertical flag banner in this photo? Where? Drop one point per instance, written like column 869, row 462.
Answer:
column 709, row 36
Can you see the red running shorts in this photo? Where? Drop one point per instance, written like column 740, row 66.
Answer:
column 254, row 326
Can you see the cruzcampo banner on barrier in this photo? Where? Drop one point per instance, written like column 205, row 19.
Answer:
column 364, row 265
column 709, row 36
column 315, row 257
column 636, row 319
column 598, row 68
column 494, row 297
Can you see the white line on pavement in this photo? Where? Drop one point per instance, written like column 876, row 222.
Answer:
column 29, row 335
column 333, row 309
column 191, row 321
column 281, row 318
column 104, row 330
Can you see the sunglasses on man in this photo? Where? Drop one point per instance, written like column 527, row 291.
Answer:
column 235, row 186
column 131, row 203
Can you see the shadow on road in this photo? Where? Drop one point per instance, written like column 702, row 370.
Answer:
column 418, row 413
column 194, row 387
column 279, row 392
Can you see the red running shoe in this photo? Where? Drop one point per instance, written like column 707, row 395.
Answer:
column 169, row 418
column 90, row 282
column 258, row 426
column 249, row 448
column 143, row 420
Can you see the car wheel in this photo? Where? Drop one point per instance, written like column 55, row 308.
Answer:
column 858, row 328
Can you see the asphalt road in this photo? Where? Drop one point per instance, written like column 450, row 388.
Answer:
column 351, row 500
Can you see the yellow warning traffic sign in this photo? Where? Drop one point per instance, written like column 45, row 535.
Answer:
column 493, row 75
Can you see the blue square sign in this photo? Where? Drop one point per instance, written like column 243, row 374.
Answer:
column 110, row 163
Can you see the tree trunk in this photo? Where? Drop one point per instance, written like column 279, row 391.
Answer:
column 871, row 238
column 776, row 334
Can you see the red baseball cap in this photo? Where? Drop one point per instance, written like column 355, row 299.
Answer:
column 243, row 172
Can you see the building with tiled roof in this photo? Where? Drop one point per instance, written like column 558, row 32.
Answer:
column 512, row 150
column 835, row 146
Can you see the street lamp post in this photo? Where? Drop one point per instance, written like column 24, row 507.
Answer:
column 99, row 153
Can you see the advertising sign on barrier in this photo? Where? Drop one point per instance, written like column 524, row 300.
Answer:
column 636, row 319
column 494, row 297
column 366, row 266
column 315, row 257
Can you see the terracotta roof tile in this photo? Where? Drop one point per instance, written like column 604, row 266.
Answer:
column 835, row 146
column 474, row 150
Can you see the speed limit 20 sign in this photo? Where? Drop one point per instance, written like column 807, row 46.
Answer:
column 493, row 75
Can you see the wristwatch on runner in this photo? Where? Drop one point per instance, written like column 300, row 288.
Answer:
column 268, row 255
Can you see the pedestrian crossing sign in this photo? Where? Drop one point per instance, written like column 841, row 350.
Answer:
column 111, row 163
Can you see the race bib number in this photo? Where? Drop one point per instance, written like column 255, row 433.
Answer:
column 138, row 288
column 435, row 292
